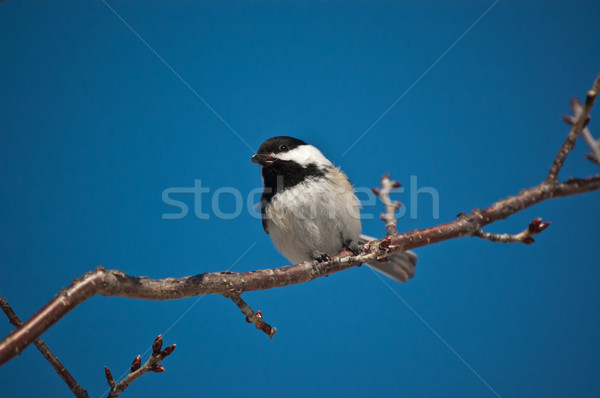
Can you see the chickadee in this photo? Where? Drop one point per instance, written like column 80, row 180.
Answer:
column 309, row 208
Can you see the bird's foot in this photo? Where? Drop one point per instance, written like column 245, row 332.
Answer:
column 353, row 246
column 321, row 257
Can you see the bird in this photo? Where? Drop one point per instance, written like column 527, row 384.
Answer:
column 310, row 210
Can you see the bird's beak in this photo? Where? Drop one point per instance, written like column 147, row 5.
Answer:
column 262, row 159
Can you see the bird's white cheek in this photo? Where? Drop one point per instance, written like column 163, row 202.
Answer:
column 305, row 155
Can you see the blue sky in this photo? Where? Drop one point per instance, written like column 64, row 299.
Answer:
column 95, row 125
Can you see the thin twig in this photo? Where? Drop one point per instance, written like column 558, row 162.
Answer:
column 390, row 207
column 254, row 317
column 580, row 122
column 594, row 145
column 138, row 370
column 64, row 374
column 526, row 236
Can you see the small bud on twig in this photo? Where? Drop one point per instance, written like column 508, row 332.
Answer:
column 167, row 351
column 109, row 377
column 385, row 242
column 568, row 119
column 135, row 365
column 537, row 226
column 268, row 330
column 157, row 345
column 158, row 368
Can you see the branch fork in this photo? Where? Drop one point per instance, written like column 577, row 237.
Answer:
column 580, row 121
column 137, row 369
column 60, row 369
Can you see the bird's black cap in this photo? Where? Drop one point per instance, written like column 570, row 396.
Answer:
column 280, row 144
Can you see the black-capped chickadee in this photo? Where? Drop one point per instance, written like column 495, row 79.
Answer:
column 309, row 207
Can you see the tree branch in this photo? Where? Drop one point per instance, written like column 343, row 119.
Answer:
column 581, row 121
column 64, row 374
column 116, row 283
column 254, row 317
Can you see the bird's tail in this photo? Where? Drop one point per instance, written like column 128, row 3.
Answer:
column 401, row 266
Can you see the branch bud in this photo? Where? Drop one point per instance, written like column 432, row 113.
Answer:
column 569, row 119
column 167, row 351
column 268, row 330
column 272, row 332
column 135, row 365
column 537, row 226
column 385, row 243
column 157, row 345
column 109, row 377
column 158, row 368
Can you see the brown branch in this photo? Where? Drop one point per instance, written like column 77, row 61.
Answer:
column 526, row 236
column 390, row 207
column 137, row 369
column 581, row 121
column 64, row 374
column 116, row 283
column 254, row 317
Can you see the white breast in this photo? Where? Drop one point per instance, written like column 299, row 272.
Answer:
column 313, row 217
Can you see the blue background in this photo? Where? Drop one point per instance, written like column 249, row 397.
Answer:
column 94, row 127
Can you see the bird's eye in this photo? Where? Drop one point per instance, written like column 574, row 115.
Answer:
column 283, row 148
